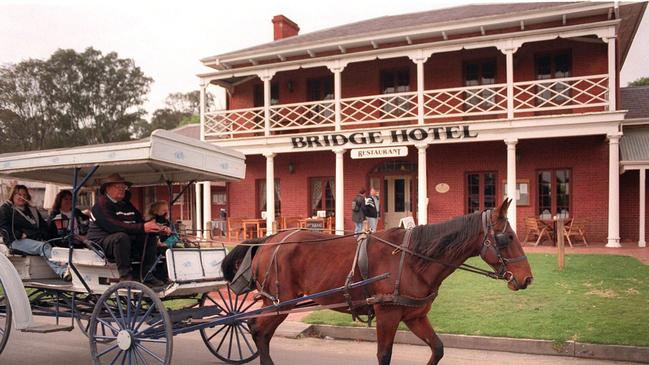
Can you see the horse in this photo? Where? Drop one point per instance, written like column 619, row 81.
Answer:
column 291, row 264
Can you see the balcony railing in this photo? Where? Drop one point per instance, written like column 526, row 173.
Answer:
column 554, row 96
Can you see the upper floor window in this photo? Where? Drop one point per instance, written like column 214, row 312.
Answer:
column 393, row 82
column 259, row 94
column 553, row 66
column 319, row 90
column 479, row 73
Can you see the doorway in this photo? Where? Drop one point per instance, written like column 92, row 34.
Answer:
column 396, row 199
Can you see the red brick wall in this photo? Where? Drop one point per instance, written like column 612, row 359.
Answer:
column 630, row 206
column 448, row 163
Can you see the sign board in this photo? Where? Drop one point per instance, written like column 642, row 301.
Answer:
column 379, row 152
column 407, row 222
column 317, row 224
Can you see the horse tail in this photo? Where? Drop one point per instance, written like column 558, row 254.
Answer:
column 233, row 259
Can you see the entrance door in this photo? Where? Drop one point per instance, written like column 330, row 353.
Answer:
column 396, row 199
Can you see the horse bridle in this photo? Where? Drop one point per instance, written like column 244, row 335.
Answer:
column 496, row 241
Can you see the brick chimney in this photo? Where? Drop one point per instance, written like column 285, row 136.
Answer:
column 284, row 27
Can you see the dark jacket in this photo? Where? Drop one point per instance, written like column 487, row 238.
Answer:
column 81, row 219
column 162, row 220
column 15, row 224
column 108, row 217
column 370, row 208
column 358, row 208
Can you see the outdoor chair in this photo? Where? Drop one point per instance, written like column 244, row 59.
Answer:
column 536, row 228
column 292, row 222
column 575, row 229
column 235, row 228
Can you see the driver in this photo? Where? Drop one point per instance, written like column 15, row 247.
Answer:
column 120, row 229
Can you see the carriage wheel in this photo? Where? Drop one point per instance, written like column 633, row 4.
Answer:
column 231, row 342
column 138, row 326
column 5, row 318
column 83, row 319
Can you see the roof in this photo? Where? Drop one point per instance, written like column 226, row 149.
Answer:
column 634, row 145
column 164, row 156
column 635, row 99
column 458, row 18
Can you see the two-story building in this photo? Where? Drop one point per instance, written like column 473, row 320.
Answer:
column 445, row 112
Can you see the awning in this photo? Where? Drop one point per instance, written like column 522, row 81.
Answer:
column 634, row 148
column 164, row 156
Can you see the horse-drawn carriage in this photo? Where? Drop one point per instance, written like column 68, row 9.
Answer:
column 394, row 274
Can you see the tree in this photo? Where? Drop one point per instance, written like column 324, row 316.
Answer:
column 181, row 109
column 70, row 99
column 165, row 118
column 189, row 102
column 643, row 81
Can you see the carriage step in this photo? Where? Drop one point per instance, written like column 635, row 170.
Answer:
column 48, row 328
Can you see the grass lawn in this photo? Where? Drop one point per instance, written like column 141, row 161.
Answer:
column 596, row 299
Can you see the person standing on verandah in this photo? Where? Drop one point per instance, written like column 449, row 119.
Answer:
column 358, row 211
column 372, row 210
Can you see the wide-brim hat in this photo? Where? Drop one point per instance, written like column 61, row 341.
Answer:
column 113, row 178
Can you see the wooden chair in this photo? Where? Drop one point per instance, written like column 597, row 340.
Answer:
column 235, row 228
column 292, row 222
column 575, row 228
column 536, row 228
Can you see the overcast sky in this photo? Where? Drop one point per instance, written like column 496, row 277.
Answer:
column 167, row 39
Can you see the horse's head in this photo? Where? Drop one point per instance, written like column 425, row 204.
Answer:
column 502, row 250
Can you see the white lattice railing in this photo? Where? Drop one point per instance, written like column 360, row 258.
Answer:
column 379, row 108
column 466, row 101
column 564, row 93
column 230, row 123
column 528, row 96
column 302, row 115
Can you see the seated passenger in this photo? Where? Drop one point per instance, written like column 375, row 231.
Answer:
column 62, row 209
column 27, row 231
column 159, row 213
column 120, row 230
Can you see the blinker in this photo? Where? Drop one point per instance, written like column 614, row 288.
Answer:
column 502, row 240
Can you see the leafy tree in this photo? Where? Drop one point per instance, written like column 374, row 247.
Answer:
column 70, row 99
column 643, row 81
column 181, row 109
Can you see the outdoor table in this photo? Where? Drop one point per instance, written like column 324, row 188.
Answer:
column 254, row 224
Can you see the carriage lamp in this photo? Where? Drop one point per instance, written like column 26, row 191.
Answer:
column 61, row 222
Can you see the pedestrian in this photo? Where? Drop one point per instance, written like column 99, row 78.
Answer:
column 372, row 209
column 358, row 210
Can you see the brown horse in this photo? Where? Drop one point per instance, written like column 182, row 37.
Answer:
column 309, row 262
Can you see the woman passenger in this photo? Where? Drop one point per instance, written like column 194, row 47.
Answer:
column 62, row 208
column 26, row 230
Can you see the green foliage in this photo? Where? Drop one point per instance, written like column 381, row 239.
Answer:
column 595, row 299
column 70, row 99
column 643, row 81
column 181, row 109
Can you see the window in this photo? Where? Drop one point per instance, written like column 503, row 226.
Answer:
column 553, row 66
column 392, row 82
column 321, row 89
column 481, row 191
column 219, row 198
column 322, row 195
column 553, row 192
column 259, row 94
column 479, row 73
column 261, row 197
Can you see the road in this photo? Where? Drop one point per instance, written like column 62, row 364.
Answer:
column 72, row 349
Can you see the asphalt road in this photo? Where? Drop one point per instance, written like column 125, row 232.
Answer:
column 71, row 348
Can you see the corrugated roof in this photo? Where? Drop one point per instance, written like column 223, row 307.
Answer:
column 636, row 101
column 399, row 22
column 634, row 145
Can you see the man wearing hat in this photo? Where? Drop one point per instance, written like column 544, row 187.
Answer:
column 120, row 229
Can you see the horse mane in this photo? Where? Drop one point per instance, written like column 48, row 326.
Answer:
column 447, row 239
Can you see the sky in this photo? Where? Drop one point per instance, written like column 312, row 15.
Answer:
column 168, row 39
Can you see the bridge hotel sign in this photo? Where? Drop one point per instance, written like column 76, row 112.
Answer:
column 383, row 143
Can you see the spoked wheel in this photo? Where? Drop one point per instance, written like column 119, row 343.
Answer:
column 137, row 325
column 231, row 342
column 82, row 317
column 5, row 318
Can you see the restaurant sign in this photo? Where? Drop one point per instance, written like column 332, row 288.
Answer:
column 379, row 152
column 385, row 138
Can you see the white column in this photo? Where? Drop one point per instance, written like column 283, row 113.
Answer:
column 422, row 184
column 340, row 191
column 270, row 192
column 266, row 76
column 511, row 180
column 198, row 208
column 613, row 191
column 643, row 201
column 203, row 86
column 612, row 67
column 207, row 206
column 509, row 55
column 337, row 68
column 420, row 96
